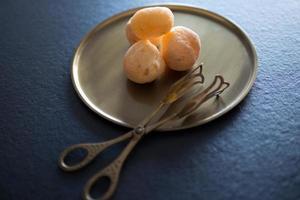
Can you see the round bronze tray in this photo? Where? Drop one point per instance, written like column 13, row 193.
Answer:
column 98, row 77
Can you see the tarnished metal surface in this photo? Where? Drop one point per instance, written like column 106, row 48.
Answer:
column 98, row 76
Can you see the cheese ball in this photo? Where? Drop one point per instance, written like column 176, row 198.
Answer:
column 132, row 38
column 180, row 48
column 143, row 62
column 152, row 22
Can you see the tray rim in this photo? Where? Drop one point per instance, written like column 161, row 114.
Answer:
column 177, row 6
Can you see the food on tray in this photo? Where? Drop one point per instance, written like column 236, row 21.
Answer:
column 143, row 62
column 180, row 48
column 152, row 22
column 156, row 44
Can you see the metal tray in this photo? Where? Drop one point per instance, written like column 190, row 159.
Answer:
column 98, row 77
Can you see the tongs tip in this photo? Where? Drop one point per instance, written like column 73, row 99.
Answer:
column 182, row 86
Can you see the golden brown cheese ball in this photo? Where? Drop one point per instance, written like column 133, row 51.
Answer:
column 181, row 48
column 132, row 38
column 143, row 62
column 152, row 22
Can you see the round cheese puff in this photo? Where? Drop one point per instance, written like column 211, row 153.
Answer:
column 152, row 22
column 181, row 48
column 132, row 38
column 143, row 62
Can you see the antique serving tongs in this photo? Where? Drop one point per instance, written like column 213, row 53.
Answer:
column 176, row 91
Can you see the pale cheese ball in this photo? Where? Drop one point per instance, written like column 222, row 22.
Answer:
column 132, row 38
column 152, row 22
column 143, row 62
column 181, row 48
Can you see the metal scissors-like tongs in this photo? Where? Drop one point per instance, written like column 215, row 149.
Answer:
column 176, row 91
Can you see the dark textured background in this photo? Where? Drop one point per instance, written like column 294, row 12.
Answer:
column 253, row 152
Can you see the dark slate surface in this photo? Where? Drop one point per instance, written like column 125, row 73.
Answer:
column 253, row 152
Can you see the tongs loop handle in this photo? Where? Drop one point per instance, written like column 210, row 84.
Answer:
column 112, row 172
column 92, row 150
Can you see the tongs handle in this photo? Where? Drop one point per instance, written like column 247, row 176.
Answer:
column 92, row 150
column 112, row 172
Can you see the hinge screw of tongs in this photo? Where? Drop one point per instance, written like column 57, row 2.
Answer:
column 139, row 130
